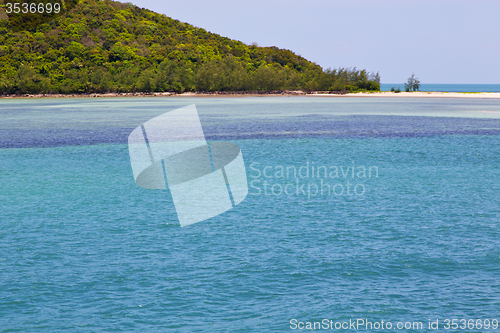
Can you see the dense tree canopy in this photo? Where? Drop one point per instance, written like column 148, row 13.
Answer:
column 108, row 46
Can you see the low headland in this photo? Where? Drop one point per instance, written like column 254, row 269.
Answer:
column 99, row 48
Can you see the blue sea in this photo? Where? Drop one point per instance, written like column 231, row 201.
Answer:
column 446, row 87
column 406, row 232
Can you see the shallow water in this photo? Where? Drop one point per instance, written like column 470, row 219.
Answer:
column 413, row 238
column 84, row 121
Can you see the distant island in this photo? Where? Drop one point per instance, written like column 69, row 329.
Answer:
column 112, row 47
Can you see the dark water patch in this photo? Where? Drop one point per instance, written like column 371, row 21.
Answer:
column 309, row 126
column 354, row 126
column 59, row 137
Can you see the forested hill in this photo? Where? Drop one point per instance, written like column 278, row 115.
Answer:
column 108, row 46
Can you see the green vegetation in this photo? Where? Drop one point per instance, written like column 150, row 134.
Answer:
column 412, row 84
column 394, row 90
column 108, row 46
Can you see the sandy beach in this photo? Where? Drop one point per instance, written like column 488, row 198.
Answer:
column 415, row 94
column 423, row 94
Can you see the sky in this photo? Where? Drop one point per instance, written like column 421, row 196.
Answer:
column 441, row 41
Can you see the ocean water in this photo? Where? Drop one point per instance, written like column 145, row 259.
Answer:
column 446, row 87
column 411, row 235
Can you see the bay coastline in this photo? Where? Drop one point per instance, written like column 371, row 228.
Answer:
column 413, row 94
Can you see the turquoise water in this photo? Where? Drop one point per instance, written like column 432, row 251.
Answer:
column 446, row 87
column 414, row 238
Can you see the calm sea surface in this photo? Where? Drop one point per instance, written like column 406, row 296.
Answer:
column 402, row 228
column 446, row 87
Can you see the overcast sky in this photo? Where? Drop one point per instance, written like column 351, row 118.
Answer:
column 442, row 41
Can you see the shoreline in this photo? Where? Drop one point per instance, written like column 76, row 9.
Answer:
column 414, row 94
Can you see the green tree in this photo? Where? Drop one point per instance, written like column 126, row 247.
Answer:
column 75, row 50
column 413, row 84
